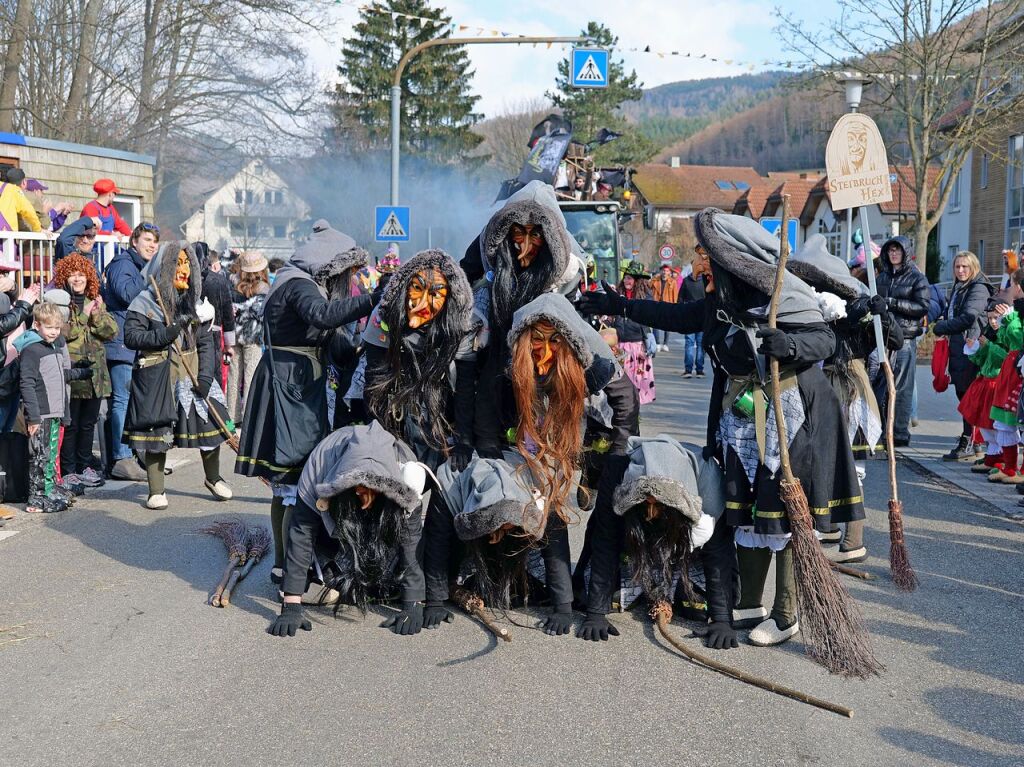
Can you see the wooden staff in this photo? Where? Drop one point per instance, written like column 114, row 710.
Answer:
column 900, row 569
column 661, row 613
column 833, row 631
column 474, row 605
column 231, row 439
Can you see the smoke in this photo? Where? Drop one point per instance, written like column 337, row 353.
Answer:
column 449, row 204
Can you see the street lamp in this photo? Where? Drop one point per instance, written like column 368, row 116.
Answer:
column 854, row 83
column 396, row 85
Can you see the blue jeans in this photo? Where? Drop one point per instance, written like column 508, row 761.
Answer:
column 120, row 380
column 693, row 351
column 661, row 336
column 904, row 367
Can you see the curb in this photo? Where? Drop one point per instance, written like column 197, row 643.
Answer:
column 1002, row 497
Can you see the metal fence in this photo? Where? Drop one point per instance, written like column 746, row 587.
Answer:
column 35, row 252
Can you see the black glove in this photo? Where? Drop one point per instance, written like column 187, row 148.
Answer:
column 460, row 456
column 490, row 451
column 559, row 622
column 721, row 636
column 82, row 364
column 597, row 628
column 202, row 387
column 876, row 304
column 171, row 332
column 409, row 621
column 378, row 292
column 435, row 613
column 609, row 302
column 292, row 618
column 774, row 343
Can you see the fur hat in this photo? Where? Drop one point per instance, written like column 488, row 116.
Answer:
column 489, row 493
column 556, row 310
column 823, row 271
column 460, row 295
column 495, row 248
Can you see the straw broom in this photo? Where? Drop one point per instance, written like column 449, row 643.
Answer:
column 233, row 533
column 257, row 543
column 899, row 560
column 833, row 630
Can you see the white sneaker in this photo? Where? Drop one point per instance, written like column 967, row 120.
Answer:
column 219, row 489
column 768, row 634
column 157, row 502
column 316, row 594
column 748, row 617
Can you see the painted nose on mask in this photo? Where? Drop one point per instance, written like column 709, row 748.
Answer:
column 544, row 363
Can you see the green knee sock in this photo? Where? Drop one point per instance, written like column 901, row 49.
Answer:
column 854, row 537
column 211, row 464
column 753, row 568
column 277, row 527
column 784, row 609
column 155, row 463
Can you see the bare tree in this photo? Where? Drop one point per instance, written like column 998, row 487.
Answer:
column 947, row 71
column 506, row 135
column 16, row 35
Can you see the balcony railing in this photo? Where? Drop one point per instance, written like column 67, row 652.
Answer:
column 35, row 252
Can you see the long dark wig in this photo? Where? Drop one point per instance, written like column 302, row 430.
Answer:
column 368, row 540
column 411, row 380
column 732, row 301
column 500, row 567
column 658, row 547
column 514, row 286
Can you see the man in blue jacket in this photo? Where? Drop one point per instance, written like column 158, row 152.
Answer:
column 122, row 282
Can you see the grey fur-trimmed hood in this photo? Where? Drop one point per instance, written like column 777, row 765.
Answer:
column 357, row 455
column 460, row 295
column 678, row 478
column 488, row 494
column 325, row 254
column 534, row 204
column 823, row 271
column 162, row 266
column 746, row 250
column 556, row 309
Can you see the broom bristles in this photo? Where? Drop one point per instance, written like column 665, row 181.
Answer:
column 903, row 574
column 834, row 632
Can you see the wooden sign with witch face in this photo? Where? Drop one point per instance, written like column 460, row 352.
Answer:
column 858, row 169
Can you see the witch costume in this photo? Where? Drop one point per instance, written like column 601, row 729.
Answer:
column 165, row 409
column 355, row 529
column 741, row 426
column 404, row 378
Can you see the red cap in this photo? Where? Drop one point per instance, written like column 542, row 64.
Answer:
column 105, row 186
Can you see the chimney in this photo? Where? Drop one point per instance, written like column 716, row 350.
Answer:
column 674, row 162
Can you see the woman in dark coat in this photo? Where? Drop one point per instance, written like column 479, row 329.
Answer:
column 286, row 410
column 964, row 321
column 165, row 409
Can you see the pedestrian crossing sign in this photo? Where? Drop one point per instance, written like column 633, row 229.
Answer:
column 589, row 67
column 391, row 223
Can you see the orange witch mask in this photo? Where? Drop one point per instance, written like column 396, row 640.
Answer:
column 527, row 240
column 545, row 344
column 702, row 268
column 425, row 297
column 182, row 272
column 366, row 496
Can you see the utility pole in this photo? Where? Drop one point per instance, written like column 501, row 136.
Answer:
column 396, row 85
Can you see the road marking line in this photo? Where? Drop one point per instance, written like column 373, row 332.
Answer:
column 8, row 533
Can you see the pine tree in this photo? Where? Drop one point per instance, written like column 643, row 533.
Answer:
column 437, row 107
column 591, row 109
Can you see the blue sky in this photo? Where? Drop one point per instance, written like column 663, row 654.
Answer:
column 507, row 77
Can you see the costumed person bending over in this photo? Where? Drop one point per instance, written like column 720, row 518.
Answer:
column 404, row 377
column 665, row 509
column 848, row 308
column 741, row 257
column 498, row 511
column 286, row 409
column 165, row 409
column 356, row 527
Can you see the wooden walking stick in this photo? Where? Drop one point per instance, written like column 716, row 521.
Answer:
column 900, row 569
column 257, row 543
column 661, row 613
column 231, row 439
column 474, row 605
column 233, row 533
column 834, row 633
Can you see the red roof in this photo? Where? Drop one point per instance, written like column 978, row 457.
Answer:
column 694, row 186
column 752, row 201
column 905, row 203
column 798, row 189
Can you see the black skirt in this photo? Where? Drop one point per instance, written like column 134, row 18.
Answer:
column 821, row 459
column 189, row 430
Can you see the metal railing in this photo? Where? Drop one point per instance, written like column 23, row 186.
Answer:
column 35, row 252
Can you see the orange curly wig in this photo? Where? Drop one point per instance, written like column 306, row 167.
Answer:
column 77, row 263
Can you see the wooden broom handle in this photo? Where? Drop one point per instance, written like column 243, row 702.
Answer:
column 780, row 273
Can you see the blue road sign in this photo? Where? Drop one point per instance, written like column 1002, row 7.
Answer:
column 391, row 223
column 773, row 224
column 589, row 68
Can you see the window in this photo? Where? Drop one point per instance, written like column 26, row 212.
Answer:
column 954, row 193
column 833, row 236
column 268, row 197
column 723, row 185
column 981, row 254
column 741, row 185
column 248, row 196
column 238, row 197
column 1015, row 190
column 280, row 231
column 278, row 197
column 983, row 181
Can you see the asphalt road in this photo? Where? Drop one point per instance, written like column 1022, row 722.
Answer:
column 110, row 656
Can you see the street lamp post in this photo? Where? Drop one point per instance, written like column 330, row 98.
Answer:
column 396, row 85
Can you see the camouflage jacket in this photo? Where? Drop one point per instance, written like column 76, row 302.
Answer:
column 85, row 335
